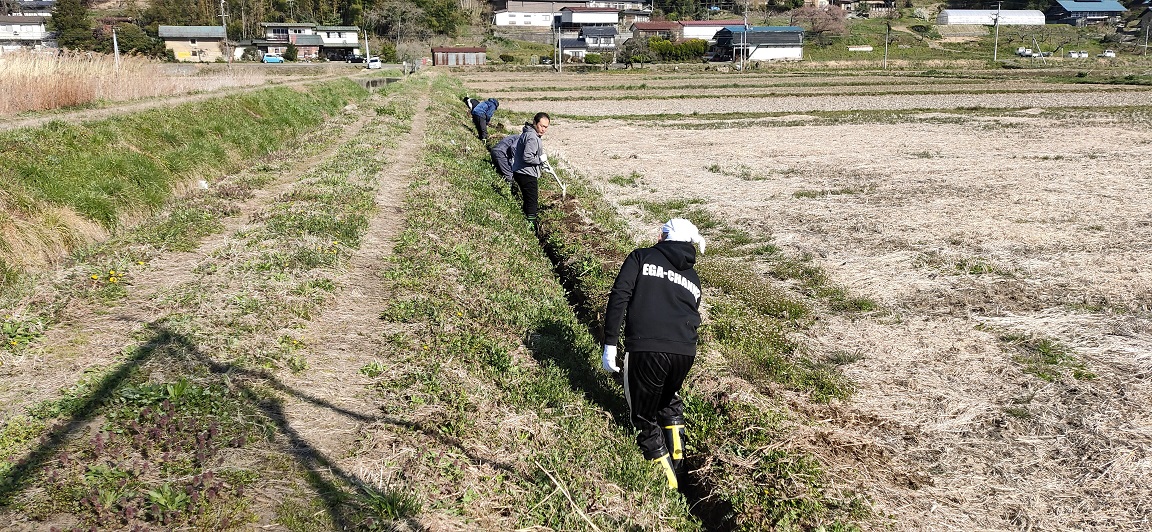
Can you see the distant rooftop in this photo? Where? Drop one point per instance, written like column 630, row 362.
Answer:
column 191, row 32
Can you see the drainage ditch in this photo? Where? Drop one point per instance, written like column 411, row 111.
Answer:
column 713, row 511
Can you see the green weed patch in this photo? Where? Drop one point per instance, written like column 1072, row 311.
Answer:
column 1046, row 358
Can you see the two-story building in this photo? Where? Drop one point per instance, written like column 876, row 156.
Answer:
column 339, row 43
column 203, row 44
column 312, row 41
column 24, row 33
column 541, row 15
column 575, row 19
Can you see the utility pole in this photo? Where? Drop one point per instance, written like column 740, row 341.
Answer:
column 996, row 39
column 552, row 23
column 887, row 31
column 399, row 21
column 116, row 47
column 744, row 39
column 224, row 26
column 1146, row 24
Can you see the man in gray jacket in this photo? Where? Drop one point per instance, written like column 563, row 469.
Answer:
column 526, row 166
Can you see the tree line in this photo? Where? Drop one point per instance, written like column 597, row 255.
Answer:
column 78, row 28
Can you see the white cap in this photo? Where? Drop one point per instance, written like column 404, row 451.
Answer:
column 681, row 230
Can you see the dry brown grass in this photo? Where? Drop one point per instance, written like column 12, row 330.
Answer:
column 39, row 82
column 974, row 226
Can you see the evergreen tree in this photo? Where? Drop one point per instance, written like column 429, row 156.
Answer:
column 72, row 26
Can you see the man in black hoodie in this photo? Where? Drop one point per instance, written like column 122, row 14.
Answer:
column 657, row 295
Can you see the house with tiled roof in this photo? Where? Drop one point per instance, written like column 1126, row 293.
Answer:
column 669, row 30
column 24, row 33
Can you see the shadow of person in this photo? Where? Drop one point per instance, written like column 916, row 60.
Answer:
column 559, row 342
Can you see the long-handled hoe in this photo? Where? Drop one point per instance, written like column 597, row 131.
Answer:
column 563, row 189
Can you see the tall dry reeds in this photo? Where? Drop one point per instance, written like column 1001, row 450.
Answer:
column 33, row 81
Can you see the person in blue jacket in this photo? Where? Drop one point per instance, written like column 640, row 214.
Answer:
column 482, row 116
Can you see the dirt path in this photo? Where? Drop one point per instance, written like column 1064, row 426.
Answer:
column 346, row 335
column 92, row 335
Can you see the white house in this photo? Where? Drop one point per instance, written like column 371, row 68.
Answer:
column 24, row 32
column 595, row 16
column 987, row 17
column 621, row 5
column 705, row 29
column 522, row 19
column 286, row 31
column 576, row 48
column 600, row 38
column 338, row 43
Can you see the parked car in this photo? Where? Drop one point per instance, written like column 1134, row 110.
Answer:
column 272, row 58
column 374, row 62
column 355, row 59
column 545, row 60
column 1108, row 53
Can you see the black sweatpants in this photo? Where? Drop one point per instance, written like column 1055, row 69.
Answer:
column 481, row 126
column 529, row 192
column 652, row 383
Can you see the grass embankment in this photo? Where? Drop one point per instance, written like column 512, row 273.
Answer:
column 746, row 475
column 66, row 186
column 191, row 415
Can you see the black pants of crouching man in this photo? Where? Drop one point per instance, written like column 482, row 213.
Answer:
column 652, row 383
column 481, row 126
column 502, row 164
column 529, row 192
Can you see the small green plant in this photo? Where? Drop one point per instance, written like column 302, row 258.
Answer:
column 630, row 180
column 17, row 331
column 373, row 369
column 1046, row 358
column 833, row 192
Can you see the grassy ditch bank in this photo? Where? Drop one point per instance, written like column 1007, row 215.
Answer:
column 68, row 185
column 496, row 418
column 746, row 475
column 188, row 428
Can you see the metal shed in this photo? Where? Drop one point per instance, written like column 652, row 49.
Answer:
column 462, row 56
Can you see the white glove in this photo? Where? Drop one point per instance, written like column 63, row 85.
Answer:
column 608, row 360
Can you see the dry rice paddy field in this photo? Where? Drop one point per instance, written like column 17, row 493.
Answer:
column 991, row 220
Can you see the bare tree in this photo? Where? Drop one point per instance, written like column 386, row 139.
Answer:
column 821, row 21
